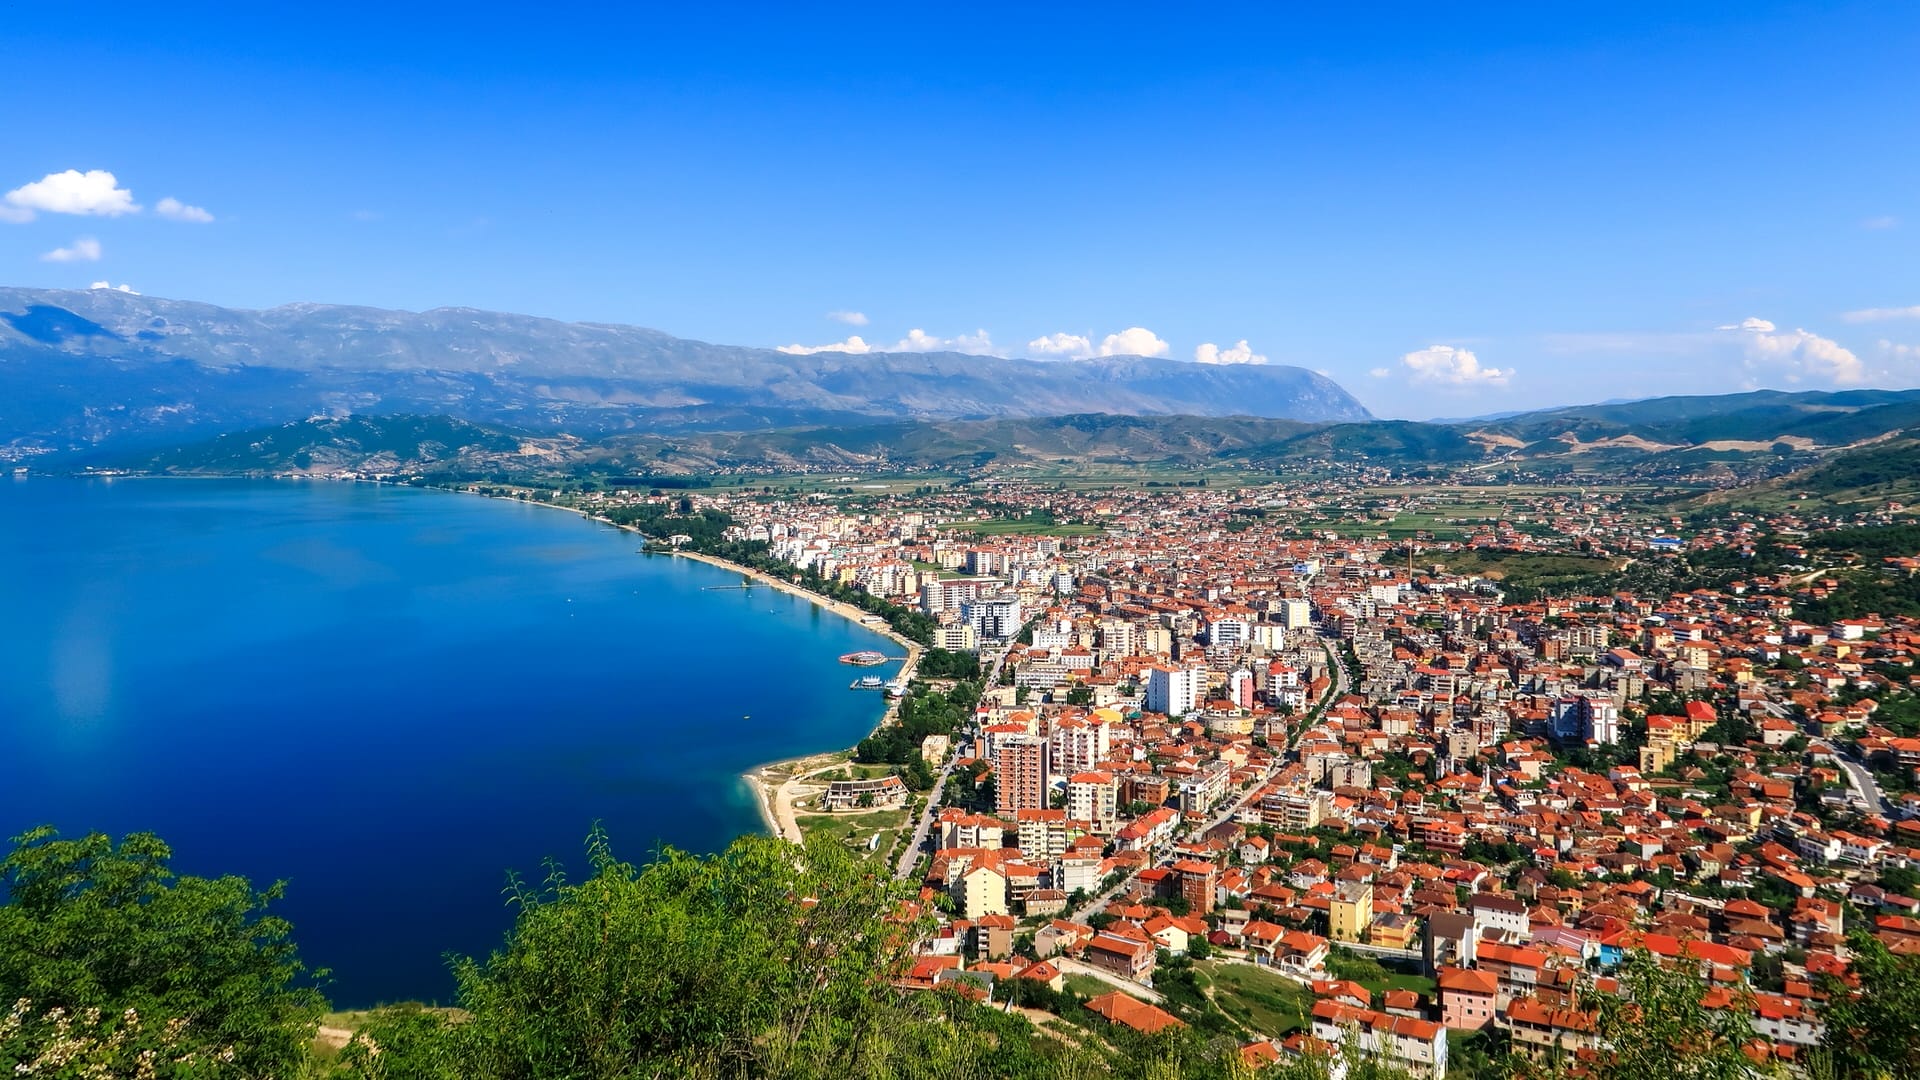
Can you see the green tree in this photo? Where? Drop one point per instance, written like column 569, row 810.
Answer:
column 1873, row 1031
column 765, row 960
column 95, row 928
column 1660, row 1024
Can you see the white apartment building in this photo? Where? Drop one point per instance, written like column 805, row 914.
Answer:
column 1296, row 614
column 1174, row 691
column 1229, row 633
column 994, row 619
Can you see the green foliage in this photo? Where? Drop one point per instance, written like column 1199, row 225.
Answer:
column 923, row 712
column 94, row 1043
column 1874, row 1033
column 948, row 664
column 1659, row 1026
column 96, row 929
column 764, row 960
column 1875, row 594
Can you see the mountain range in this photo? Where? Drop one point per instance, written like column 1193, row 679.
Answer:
column 98, row 367
column 107, row 379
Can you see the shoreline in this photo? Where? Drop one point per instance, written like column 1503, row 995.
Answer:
column 778, row 815
column 775, row 800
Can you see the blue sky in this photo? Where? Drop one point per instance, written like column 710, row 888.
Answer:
column 1450, row 213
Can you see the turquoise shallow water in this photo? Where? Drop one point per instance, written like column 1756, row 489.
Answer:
column 388, row 697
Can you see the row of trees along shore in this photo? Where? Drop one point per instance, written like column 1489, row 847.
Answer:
column 768, row 959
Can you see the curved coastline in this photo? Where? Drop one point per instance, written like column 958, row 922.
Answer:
column 775, row 798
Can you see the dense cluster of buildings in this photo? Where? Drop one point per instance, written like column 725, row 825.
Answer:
column 1215, row 729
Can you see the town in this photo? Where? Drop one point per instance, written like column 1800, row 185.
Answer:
column 1342, row 779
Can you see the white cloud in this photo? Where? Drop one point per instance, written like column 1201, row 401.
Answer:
column 1379, row 372
column 853, row 344
column 1900, row 354
column 1451, row 366
column 1797, row 354
column 1209, row 353
column 175, row 210
column 85, row 249
column 1070, row 346
column 918, row 340
column 1882, row 314
column 851, row 318
column 94, row 192
column 1884, row 221
column 110, row 287
column 1134, row 341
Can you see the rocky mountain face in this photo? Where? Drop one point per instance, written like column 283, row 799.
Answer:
column 98, row 367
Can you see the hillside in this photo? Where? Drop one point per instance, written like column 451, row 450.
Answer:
column 1860, row 478
column 1878, row 471
column 97, row 367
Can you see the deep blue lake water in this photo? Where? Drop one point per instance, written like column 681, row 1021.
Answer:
column 388, row 697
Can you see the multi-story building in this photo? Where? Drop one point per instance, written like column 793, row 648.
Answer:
column 1044, row 833
column 1093, row 797
column 1292, row 811
column 1295, row 614
column 1174, row 691
column 1119, row 638
column 1203, row 789
column 1350, row 911
column 1020, row 773
column 995, row 618
column 1079, row 745
column 1418, row 1046
column 1197, row 881
column 1229, row 633
column 958, row 637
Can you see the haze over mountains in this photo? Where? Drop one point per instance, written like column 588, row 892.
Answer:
column 87, row 368
column 111, row 379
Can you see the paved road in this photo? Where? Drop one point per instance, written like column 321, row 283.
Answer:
column 1339, row 669
column 921, row 831
column 1865, row 786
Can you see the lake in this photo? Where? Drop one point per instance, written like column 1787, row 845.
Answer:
column 388, row 697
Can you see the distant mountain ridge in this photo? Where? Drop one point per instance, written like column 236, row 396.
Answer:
column 86, row 368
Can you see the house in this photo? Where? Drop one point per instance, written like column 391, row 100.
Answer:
column 1449, row 938
column 1544, row 1031
column 1129, row 958
column 1504, row 913
column 1467, row 998
column 1418, row 1046
column 983, row 891
column 1515, row 970
column 1130, row 1012
column 993, row 936
column 1044, row 971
